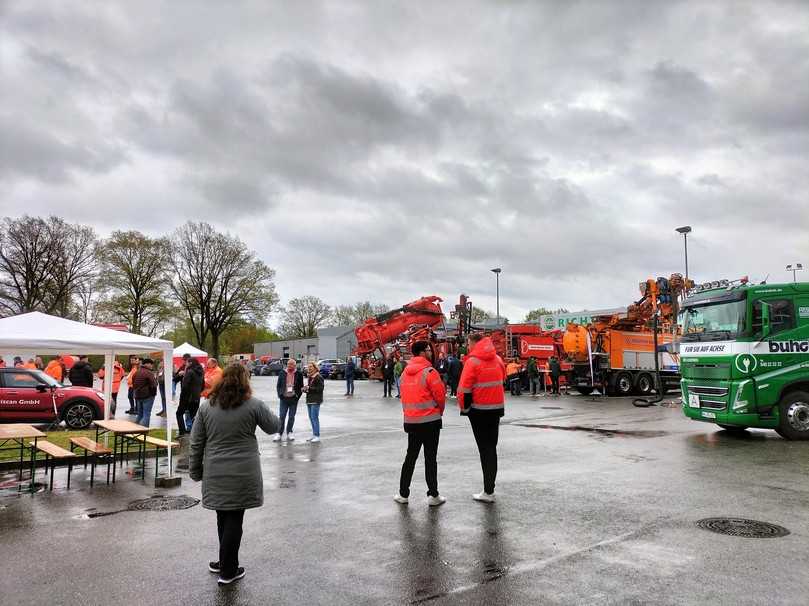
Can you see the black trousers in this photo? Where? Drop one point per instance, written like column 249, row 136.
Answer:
column 189, row 405
column 453, row 386
column 427, row 435
column 229, row 526
column 389, row 384
column 555, row 384
column 486, row 427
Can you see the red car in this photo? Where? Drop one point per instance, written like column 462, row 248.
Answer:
column 34, row 397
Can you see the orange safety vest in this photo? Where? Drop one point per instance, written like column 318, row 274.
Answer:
column 117, row 376
column 423, row 392
column 483, row 375
column 54, row 369
column 212, row 377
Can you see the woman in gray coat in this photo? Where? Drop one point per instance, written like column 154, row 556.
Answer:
column 224, row 455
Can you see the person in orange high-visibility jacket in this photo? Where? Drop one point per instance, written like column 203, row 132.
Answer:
column 213, row 374
column 54, row 368
column 423, row 398
column 118, row 373
column 134, row 365
column 481, row 397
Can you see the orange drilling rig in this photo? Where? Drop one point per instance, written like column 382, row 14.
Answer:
column 393, row 332
column 409, row 323
column 616, row 354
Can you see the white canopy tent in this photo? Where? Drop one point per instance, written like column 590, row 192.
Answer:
column 194, row 352
column 187, row 348
column 44, row 334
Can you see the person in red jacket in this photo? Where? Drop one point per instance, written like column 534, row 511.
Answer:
column 482, row 399
column 423, row 399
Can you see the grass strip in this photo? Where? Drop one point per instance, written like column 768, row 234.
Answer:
column 61, row 437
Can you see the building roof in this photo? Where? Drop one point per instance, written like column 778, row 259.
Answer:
column 334, row 331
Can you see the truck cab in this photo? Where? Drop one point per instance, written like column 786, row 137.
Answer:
column 744, row 356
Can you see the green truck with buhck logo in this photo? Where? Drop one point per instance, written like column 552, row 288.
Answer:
column 744, row 356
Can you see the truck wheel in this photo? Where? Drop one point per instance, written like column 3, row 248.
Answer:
column 644, row 384
column 793, row 416
column 79, row 415
column 623, row 384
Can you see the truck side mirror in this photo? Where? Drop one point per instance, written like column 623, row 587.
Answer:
column 765, row 319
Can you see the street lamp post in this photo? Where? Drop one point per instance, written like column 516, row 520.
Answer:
column 794, row 268
column 497, row 271
column 685, row 230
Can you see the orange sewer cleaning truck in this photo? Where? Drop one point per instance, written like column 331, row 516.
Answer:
column 616, row 354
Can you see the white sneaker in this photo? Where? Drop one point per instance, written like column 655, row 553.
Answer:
column 484, row 497
column 400, row 499
column 276, row 437
column 315, row 439
column 436, row 501
column 291, row 437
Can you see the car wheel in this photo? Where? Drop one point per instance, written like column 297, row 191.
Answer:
column 623, row 384
column 644, row 384
column 79, row 415
column 793, row 413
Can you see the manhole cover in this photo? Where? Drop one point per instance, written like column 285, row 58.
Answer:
column 740, row 527
column 163, row 503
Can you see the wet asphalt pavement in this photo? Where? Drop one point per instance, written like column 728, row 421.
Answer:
column 597, row 504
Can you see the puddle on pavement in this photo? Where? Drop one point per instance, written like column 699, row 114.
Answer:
column 640, row 433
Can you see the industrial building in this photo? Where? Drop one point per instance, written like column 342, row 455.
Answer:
column 331, row 342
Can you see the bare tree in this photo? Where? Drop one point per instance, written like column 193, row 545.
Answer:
column 75, row 266
column 27, row 255
column 44, row 264
column 134, row 277
column 302, row 317
column 218, row 282
column 352, row 315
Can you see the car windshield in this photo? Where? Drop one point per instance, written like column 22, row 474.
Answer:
column 713, row 322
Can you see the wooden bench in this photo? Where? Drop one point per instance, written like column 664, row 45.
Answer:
column 99, row 451
column 158, row 443
column 55, row 453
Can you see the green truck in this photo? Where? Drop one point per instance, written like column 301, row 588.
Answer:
column 744, row 356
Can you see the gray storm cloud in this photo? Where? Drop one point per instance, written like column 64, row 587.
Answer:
column 388, row 153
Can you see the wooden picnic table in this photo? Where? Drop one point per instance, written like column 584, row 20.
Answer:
column 122, row 432
column 17, row 433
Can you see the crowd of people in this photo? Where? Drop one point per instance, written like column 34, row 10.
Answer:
column 144, row 380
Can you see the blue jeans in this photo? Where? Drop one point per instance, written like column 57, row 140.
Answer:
column 349, row 385
column 398, row 389
column 314, row 418
column 144, row 408
column 290, row 407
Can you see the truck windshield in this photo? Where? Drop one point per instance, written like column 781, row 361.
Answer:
column 713, row 322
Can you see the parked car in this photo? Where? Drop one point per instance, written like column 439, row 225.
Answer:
column 338, row 371
column 325, row 366
column 31, row 396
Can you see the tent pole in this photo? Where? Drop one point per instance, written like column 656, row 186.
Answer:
column 168, row 373
column 109, row 358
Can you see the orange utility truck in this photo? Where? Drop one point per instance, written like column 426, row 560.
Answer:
column 616, row 354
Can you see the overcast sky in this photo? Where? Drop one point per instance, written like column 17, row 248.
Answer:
column 389, row 150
